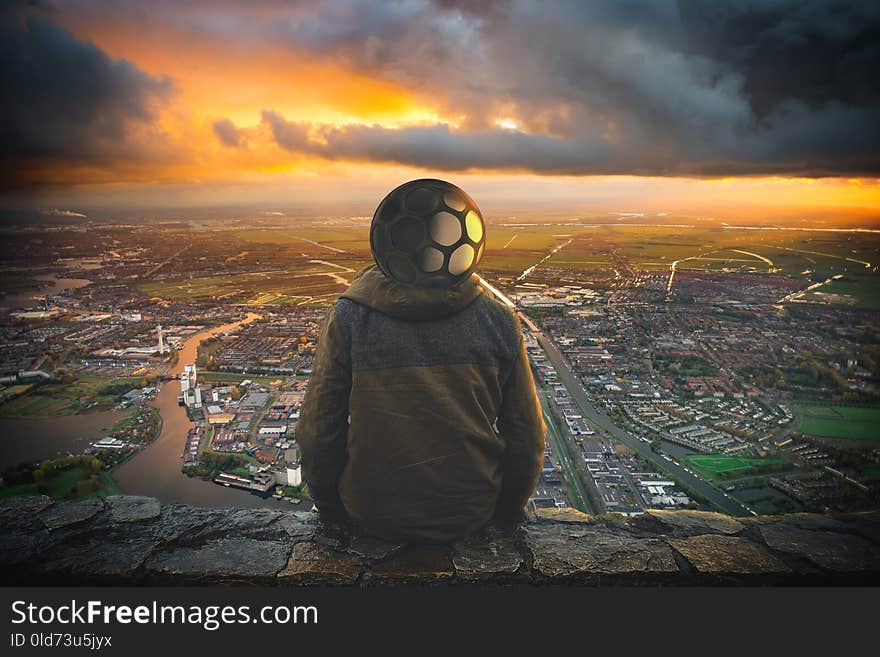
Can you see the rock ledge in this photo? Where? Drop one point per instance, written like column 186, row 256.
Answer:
column 137, row 540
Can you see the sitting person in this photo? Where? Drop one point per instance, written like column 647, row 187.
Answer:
column 421, row 421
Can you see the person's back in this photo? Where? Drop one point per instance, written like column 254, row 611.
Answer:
column 421, row 420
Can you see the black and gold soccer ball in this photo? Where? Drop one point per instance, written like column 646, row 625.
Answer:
column 428, row 232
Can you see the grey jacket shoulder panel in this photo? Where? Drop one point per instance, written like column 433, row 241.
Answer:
column 484, row 332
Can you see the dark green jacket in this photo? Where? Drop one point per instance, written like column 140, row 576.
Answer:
column 421, row 420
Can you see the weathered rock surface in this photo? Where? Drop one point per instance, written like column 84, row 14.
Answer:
column 15, row 511
column 415, row 564
column 371, row 548
column 590, row 552
column 138, row 540
column 563, row 515
column 835, row 551
column 487, row 555
column 298, row 524
column 116, row 560
column 725, row 555
column 131, row 508
column 315, row 563
column 686, row 523
column 69, row 513
column 225, row 558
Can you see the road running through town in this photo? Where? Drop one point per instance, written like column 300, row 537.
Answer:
column 715, row 495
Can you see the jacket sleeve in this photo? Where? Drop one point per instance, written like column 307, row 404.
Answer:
column 522, row 428
column 322, row 430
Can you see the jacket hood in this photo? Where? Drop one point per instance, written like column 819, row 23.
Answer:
column 372, row 288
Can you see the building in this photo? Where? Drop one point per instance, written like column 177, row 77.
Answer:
column 260, row 482
column 291, row 476
column 273, row 430
column 190, row 393
column 255, row 400
column 109, row 443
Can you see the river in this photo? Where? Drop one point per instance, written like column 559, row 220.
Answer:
column 31, row 297
column 35, row 439
column 156, row 470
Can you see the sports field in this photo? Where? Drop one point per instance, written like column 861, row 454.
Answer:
column 721, row 466
column 846, row 422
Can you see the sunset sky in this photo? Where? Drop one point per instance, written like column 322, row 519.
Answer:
column 697, row 106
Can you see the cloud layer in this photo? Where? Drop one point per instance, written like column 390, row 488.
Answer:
column 227, row 133
column 702, row 87
column 67, row 102
column 696, row 88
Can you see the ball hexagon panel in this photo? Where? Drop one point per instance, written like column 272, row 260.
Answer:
column 407, row 234
column 454, row 201
column 474, row 225
column 461, row 259
column 428, row 232
column 445, row 228
column 431, row 260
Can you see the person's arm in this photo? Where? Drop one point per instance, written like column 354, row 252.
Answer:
column 522, row 428
column 322, row 429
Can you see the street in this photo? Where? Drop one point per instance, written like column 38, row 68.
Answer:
column 716, row 496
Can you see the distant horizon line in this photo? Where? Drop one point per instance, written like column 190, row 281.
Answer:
column 81, row 220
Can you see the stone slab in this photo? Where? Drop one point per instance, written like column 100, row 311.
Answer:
column 838, row 552
column 223, row 558
column 720, row 554
column 132, row 508
column 316, row 563
column 63, row 514
column 425, row 564
column 564, row 553
column 690, row 523
column 486, row 557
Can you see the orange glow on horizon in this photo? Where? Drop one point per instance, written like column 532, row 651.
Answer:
column 238, row 81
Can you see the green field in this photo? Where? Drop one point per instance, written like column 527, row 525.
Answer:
column 722, row 467
column 790, row 251
column 846, row 422
column 67, row 483
column 259, row 288
column 312, row 263
column 863, row 288
column 277, row 299
column 347, row 246
column 90, row 392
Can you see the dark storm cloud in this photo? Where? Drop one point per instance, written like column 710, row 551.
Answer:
column 695, row 87
column 709, row 87
column 65, row 101
column 228, row 134
column 288, row 135
column 436, row 146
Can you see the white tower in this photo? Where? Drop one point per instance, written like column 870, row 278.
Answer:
column 161, row 339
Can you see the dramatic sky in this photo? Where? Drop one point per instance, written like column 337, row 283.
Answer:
column 626, row 103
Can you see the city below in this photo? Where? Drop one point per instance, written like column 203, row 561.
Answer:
column 680, row 363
